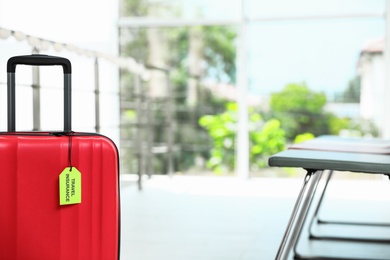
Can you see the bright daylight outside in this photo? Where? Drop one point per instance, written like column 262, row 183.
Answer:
column 245, row 129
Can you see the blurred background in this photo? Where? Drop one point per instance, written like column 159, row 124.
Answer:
column 202, row 87
column 197, row 95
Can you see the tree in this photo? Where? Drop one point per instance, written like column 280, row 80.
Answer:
column 300, row 110
column 191, row 54
column 352, row 93
column 266, row 138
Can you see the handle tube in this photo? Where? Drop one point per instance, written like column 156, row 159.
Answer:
column 38, row 60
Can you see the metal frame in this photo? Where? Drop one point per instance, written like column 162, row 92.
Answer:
column 316, row 220
column 299, row 213
column 310, row 193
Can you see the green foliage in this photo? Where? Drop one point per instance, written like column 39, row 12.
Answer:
column 298, row 98
column 222, row 130
column 133, row 8
column 265, row 141
column 352, row 93
column 303, row 137
column 300, row 110
column 216, row 54
column 130, row 114
column 361, row 127
column 266, row 138
column 336, row 124
column 220, row 52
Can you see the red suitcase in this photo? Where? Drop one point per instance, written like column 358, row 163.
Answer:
column 33, row 223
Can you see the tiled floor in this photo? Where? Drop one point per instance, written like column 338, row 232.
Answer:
column 189, row 217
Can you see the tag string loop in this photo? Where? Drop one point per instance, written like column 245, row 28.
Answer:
column 70, row 150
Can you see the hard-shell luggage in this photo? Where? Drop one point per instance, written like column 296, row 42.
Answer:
column 59, row 191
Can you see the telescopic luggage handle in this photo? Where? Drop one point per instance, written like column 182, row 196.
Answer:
column 38, row 60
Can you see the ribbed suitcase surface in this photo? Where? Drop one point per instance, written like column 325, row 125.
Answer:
column 36, row 220
column 33, row 223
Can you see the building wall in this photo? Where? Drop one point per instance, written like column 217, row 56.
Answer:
column 371, row 69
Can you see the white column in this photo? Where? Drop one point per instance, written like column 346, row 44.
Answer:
column 386, row 89
column 242, row 142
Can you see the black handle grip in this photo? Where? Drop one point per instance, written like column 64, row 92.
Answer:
column 39, row 60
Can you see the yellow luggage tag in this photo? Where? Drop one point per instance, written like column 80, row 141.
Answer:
column 70, row 186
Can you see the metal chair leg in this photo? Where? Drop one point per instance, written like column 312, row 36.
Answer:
column 299, row 213
column 316, row 220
